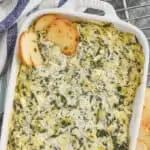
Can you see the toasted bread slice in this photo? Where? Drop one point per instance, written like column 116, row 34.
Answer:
column 28, row 49
column 43, row 22
column 147, row 99
column 145, row 122
column 24, row 51
column 144, row 138
column 144, row 134
column 63, row 33
column 141, row 145
column 36, row 57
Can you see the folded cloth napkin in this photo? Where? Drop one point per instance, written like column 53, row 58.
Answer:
column 13, row 13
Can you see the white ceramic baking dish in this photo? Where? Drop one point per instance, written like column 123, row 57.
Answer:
column 74, row 10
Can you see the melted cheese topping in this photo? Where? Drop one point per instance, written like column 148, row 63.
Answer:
column 82, row 102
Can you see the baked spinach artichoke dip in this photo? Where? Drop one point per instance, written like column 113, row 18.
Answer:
column 75, row 87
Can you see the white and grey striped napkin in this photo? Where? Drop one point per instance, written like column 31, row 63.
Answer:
column 12, row 14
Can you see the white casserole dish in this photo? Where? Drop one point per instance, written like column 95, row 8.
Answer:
column 70, row 10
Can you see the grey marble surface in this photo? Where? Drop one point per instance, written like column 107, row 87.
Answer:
column 141, row 23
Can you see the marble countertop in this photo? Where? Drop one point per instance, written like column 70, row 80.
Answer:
column 145, row 22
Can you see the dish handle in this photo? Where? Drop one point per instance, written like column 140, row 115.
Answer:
column 82, row 5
